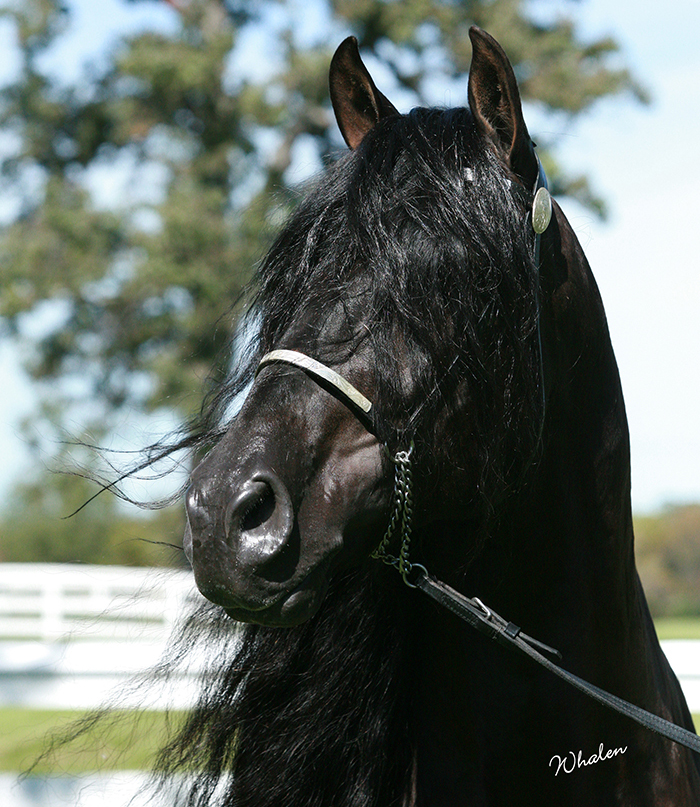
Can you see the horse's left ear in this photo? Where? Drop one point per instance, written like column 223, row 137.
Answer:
column 494, row 100
column 357, row 103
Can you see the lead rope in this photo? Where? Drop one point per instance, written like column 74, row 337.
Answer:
column 402, row 515
column 487, row 621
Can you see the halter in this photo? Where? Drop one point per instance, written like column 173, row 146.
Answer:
column 415, row 575
column 341, row 388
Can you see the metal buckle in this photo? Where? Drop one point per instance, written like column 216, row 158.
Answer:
column 421, row 569
column 487, row 611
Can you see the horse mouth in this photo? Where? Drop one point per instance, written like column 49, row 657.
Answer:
column 287, row 612
column 264, row 594
column 288, row 608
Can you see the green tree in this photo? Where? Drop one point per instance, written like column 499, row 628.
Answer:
column 34, row 528
column 668, row 559
column 209, row 129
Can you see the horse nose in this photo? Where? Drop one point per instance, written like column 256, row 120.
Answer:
column 259, row 519
column 252, row 519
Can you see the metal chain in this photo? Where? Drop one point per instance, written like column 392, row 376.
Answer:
column 401, row 516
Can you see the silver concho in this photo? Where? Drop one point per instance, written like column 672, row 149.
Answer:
column 541, row 211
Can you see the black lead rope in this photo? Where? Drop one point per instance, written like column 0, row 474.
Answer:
column 486, row 621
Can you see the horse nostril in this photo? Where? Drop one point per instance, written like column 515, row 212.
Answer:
column 259, row 509
column 258, row 520
column 252, row 510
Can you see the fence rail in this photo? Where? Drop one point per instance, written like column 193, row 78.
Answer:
column 48, row 602
column 70, row 635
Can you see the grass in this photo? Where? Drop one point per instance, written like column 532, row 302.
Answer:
column 129, row 744
column 125, row 743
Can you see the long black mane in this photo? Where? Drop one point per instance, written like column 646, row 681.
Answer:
column 415, row 249
column 317, row 714
column 421, row 240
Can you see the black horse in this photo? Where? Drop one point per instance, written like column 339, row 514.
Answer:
column 489, row 390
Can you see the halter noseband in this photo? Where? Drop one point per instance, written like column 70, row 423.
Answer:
column 319, row 371
column 327, row 378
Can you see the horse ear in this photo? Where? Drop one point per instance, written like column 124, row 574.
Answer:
column 494, row 100
column 357, row 103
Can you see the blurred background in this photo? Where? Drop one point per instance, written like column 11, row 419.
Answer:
column 149, row 149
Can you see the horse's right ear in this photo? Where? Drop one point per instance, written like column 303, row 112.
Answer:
column 494, row 100
column 357, row 103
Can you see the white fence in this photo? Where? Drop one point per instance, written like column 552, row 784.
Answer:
column 684, row 657
column 46, row 602
column 70, row 634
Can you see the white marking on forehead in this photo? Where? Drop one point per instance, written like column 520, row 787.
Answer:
column 469, row 175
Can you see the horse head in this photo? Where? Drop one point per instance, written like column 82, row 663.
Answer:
column 411, row 271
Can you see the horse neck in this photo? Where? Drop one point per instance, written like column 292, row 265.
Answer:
column 568, row 532
column 558, row 562
column 580, row 500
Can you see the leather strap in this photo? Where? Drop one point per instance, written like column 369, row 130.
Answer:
column 327, row 378
column 486, row 621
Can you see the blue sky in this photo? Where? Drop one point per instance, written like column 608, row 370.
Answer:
column 645, row 258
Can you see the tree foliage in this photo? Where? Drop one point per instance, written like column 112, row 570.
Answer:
column 208, row 124
column 668, row 559
column 145, row 282
column 35, row 529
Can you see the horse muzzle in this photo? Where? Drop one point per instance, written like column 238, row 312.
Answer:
column 243, row 544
